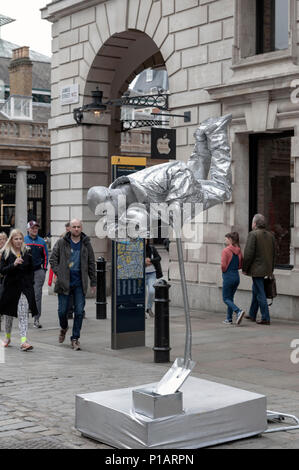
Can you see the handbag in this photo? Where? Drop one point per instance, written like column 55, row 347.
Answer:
column 270, row 287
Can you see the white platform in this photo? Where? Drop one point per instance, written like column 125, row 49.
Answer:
column 213, row 414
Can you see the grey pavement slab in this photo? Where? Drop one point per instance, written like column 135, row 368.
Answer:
column 38, row 388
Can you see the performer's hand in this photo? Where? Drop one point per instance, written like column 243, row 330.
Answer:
column 148, row 262
column 18, row 261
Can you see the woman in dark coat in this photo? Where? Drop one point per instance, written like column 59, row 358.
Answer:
column 18, row 293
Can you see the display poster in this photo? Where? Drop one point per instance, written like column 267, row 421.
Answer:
column 128, row 276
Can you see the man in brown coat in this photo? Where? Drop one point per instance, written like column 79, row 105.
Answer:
column 259, row 260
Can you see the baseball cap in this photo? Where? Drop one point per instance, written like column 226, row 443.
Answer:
column 32, row 223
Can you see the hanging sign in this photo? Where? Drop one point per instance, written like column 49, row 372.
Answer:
column 163, row 143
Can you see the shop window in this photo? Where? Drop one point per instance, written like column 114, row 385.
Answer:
column 263, row 27
column 271, row 175
column 36, row 203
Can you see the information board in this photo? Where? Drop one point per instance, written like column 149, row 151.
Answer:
column 128, row 277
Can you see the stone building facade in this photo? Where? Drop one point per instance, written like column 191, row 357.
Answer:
column 220, row 58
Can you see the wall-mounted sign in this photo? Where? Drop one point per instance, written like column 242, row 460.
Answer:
column 69, row 94
column 163, row 143
column 10, row 176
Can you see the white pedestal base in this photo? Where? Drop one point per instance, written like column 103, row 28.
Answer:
column 213, row 414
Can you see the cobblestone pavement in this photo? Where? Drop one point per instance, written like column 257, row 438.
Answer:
column 38, row 388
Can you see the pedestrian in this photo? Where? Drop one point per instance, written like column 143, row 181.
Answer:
column 153, row 271
column 18, row 293
column 231, row 262
column 73, row 261
column 67, row 226
column 259, row 261
column 40, row 258
column 70, row 310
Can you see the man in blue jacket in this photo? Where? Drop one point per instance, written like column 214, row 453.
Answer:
column 40, row 257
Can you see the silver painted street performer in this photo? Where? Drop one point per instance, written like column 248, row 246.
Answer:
column 176, row 183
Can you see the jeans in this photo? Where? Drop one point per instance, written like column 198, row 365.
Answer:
column 230, row 285
column 79, row 304
column 150, row 279
column 259, row 299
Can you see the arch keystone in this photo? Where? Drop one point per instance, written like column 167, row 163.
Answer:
column 133, row 8
column 102, row 22
column 153, row 19
column 143, row 13
column 117, row 22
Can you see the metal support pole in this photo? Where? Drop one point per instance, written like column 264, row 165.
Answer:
column 161, row 348
column 101, row 289
column 188, row 342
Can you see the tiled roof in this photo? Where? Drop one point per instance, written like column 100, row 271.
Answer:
column 6, row 49
column 40, row 71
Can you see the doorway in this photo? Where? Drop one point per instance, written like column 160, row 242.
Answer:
column 271, row 172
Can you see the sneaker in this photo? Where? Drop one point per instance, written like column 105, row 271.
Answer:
column 62, row 334
column 227, row 322
column 26, row 347
column 248, row 317
column 6, row 342
column 75, row 343
column 240, row 317
column 37, row 324
column 150, row 312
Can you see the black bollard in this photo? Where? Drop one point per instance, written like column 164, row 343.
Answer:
column 161, row 348
column 101, row 289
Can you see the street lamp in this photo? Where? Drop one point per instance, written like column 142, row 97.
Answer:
column 97, row 106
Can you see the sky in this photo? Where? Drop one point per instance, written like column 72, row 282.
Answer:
column 28, row 29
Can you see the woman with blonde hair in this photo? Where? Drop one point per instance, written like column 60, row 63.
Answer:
column 18, row 293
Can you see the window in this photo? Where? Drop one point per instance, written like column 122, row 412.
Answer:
column 149, row 75
column 36, row 194
column 271, row 25
column 271, row 175
column 264, row 27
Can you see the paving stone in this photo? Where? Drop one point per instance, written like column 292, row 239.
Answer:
column 41, row 443
column 9, row 421
column 10, row 427
column 6, row 434
column 51, row 432
column 36, row 429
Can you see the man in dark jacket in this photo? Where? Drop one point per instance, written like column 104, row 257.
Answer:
column 259, row 261
column 73, row 261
